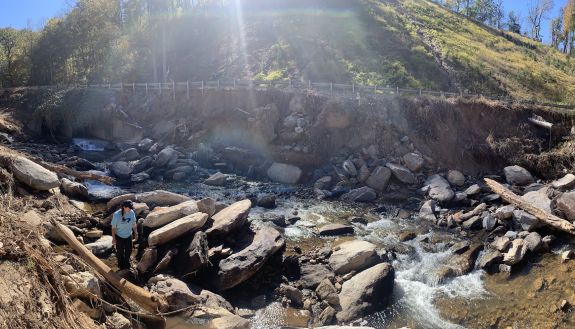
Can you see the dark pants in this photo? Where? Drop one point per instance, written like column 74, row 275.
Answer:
column 123, row 252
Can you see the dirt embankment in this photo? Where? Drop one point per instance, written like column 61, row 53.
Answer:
column 474, row 136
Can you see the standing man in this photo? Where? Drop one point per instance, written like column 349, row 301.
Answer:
column 123, row 226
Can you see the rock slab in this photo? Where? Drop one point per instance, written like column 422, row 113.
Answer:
column 353, row 256
column 33, row 174
column 177, row 228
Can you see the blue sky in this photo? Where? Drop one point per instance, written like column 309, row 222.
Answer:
column 23, row 13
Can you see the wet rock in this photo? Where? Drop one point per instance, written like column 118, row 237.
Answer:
column 516, row 175
column 326, row 291
column 284, row 173
column 165, row 156
column 490, row 259
column 121, row 169
column 403, row 174
column 230, row 218
column 82, row 284
column 459, row 264
column 349, row 168
column 353, row 255
column 534, row 242
column 245, row 263
column 130, row 154
column 148, row 260
column 323, row 183
column 407, row 236
column 367, row 292
column 439, row 189
column 293, row 294
column 142, row 164
column 177, row 293
column 516, row 253
column 566, row 182
column 163, row 216
column 505, row 212
column 177, row 228
column 526, row 221
column 460, row 247
column 565, row 205
column 140, row 177
column 73, row 189
column 362, row 194
column 427, row 211
column 473, row 223
column 196, row 255
column 501, row 243
column 539, row 199
column 473, row 190
column 379, row 178
column 145, row 144
column 33, row 175
column 413, row 161
column 489, row 222
column 455, row 178
column 335, row 229
column 267, row 201
column 217, row 179
column 313, row 274
column 102, row 246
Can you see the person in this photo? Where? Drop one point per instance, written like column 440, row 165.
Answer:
column 123, row 228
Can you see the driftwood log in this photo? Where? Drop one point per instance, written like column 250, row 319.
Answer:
column 143, row 298
column 74, row 173
column 543, row 216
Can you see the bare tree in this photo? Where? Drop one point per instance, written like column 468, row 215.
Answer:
column 538, row 11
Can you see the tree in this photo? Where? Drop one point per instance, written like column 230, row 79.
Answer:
column 513, row 22
column 557, row 35
column 536, row 14
column 569, row 27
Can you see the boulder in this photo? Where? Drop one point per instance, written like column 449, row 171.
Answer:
column 439, row 189
column 353, row 255
column 326, row 291
column 489, row 222
column 565, row 205
column 516, row 175
column 163, row 216
column 539, row 199
column 473, row 190
column 460, row 264
column 323, row 183
column 473, row 223
column 284, row 173
column 94, row 234
column 379, row 178
column 455, row 178
column 362, row 194
column 526, row 221
column 82, row 284
column 130, row 154
column 366, row 292
column 121, row 169
column 349, row 168
column 145, row 144
column 166, row 261
column 566, row 182
column 196, row 255
column 501, row 243
column 413, row 161
column 327, row 316
column 165, row 156
column 217, row 179
column 230, row 218
column 427, row 211
column 161, row 198
column 313, row 274
column 82, row 307
column 33, row 175
column 293, row 294
column 177, row 293
column 335, row 229
column 505, row 212
column 115, row 202
column 142, row 164
column 489, row 259
column 402, row 173
column 73, row 189
column 102, row 246
column 267, row 200
column 148, row 260
column 534, row 242
column 516, row 253
column 216, row 317
column 138, row 178
column 177, row 228
column 245, row 263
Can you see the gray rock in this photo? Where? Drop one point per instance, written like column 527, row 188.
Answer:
column 130, row 154
column 293, row 294
column 379, row 178
column 313, row 274
column 121, row 169
column 539, row 199
column 140, row 177
column 217, row 179
column 534, row 242
column 102, row 246
column 73, row 189
column 196, row 255
column 427, row 211
column 33, row 175
column 512, row 235
column 326, row 291
column 548, row 239
column 284, row 173
column 458, row 265
column 145, row 144
column 82, row 284
column 166, row 261
column 353, row 255
column 166, row 215
column 566, row 182
column 489, row 259
column 177, row 228
column 349, row 168
column 323, row 183
column 439, row 189
column 160, row 198
column 142, row 164
column 473, row 223
column 148, row 260
column 362, row 194
column 473, row 190
column 335, row 229
column 516, row 175
column 460, row 247
column 526, row 221
column 267, row 200
column 489, row 222
column 166, row 156
column 455, row 178
column 403, row 174
column 565, row 205
column 245, row 263
column 505, row 212
column 501, row 243
column 516, row 253
column 366, row 292
column 230, row 218
column 413, row 161
column 327, row 316
column 177, row 293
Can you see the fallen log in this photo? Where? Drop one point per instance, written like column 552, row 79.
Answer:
column 74, row 173
column 543, row 216
column 143, row 298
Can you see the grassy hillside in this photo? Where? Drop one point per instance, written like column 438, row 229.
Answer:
column 409, row 43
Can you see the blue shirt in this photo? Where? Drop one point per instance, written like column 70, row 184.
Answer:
column 123, row 227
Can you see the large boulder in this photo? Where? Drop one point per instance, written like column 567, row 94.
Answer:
column 366, row 292
column 163, row 216
column 196, row 255
column 216, row 317
column 539, row 199
column 102, row 246
column 526, row 221
column 353, row 255
column 177, row 228
column 121, row 169
column 166, row 156
column 245, row 263
column 82, row 284
column 148, row 260
column 33, row 175
column 565, row 205
column 230, row 218
column 516, row 175
column 130, row 154
column 362, row 194
column 439, row 189
column 428, row 210
column 161, row 198
column 312, row 275
column 566, row 182
column 73, row 189
column 403, row 174
column 455, row 178
column 176, row 292
column 379, row 178
column 284, row 173
column 413, row 161
column 217, row 179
